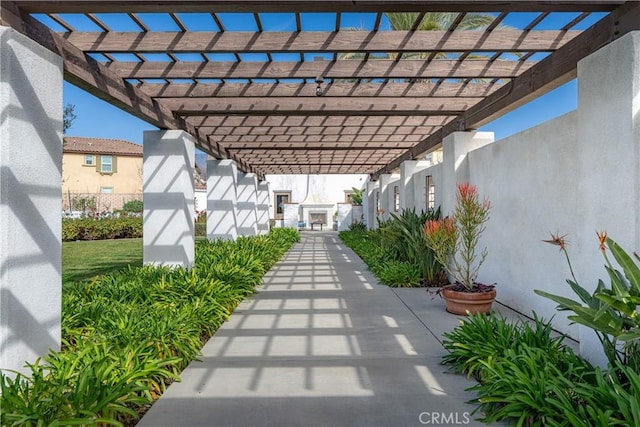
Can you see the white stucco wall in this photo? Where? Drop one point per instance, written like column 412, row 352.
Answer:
column 31, row 198
column 531, row 183
column 608, row 160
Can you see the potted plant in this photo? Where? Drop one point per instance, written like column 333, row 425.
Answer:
column 453, row 241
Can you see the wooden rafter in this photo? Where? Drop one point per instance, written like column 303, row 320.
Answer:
column 417, row 90
column 347, row 69
column 373, row 113
column 79, row 6
column 402, row 106
column 342, row 41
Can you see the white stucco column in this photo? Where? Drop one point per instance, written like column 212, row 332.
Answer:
column 455, row 168
column 222, row 185
column 607, row 162
column 384, row 191
column 247, row 204
column 30, row 200
column 168, row 192
column 263, row 207
column 369, row 203
column 408, row 168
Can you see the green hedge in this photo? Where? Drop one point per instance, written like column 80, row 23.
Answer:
column 127, row 335
column 101, row 229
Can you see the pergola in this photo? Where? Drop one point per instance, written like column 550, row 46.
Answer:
column 386, row 96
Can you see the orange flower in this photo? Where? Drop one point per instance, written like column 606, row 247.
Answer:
column 556, row 239
column 602, row 236
column 466, row 191
column 432, row 226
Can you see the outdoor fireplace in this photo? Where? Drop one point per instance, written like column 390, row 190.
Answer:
column 318, row 218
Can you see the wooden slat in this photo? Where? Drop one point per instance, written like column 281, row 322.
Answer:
column 307, row 41
column 346, row 69
column 206, row 123
column 175, row 90
column 317, row 106
column 319, row 130
column 315, row 147
column 203, row 6
column 279, row 140
column 551, row 72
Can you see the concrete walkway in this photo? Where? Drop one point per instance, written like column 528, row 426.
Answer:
column 322, row 344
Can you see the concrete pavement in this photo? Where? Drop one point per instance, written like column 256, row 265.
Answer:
column 322, row 344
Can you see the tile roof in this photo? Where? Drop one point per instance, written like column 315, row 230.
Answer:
column 74, row 144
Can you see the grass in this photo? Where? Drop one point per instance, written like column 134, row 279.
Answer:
column 84, row 260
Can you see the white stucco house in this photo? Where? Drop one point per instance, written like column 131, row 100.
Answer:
column 306, row 200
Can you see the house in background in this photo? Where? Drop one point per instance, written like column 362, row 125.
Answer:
column 97, row 165
column 100, row 174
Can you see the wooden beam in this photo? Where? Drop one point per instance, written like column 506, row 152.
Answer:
column 206, row 6
column 409, row 140
column 318, row 106
column 551, row 72
column 381, row 90
column 317, row 130
column 206, row 123
column 342, row 69
column 257, row 148
column 309, row 41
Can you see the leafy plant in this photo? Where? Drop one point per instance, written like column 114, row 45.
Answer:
column 356, row 196
column 399, row 274
column 611, row 312
column 396, row 252
column 133, row 206
column 483, row 338
column 454, row 240
column 128, row 334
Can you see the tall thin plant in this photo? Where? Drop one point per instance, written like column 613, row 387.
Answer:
column 454, row 239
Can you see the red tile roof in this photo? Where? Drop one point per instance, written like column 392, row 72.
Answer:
column 75, row 144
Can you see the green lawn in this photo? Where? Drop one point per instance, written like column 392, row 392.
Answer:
column 85, row 259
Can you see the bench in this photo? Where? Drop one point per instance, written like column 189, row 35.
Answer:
column 317, row 223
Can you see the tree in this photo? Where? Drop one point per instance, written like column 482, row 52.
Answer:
column 432, row 21
column 68, row 117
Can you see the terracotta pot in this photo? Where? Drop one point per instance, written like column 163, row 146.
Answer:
column 475, row 302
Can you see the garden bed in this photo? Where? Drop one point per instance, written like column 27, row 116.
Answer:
column 127, row 335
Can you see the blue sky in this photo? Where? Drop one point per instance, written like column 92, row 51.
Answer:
column 96, row 118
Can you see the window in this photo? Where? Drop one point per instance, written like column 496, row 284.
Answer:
column 281, row 198
column 396, row 198
column 106, row 190
column 107, row 164
column 430, row 194
column 88, row 160
column 347, row 196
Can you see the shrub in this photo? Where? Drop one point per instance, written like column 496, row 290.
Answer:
column 128, row 334
column 530, row 378
column 100, row 229
column 399, row 274
column 133, row 206
column 397, row 252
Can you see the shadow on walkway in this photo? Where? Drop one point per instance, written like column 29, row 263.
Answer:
column 322, row 344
